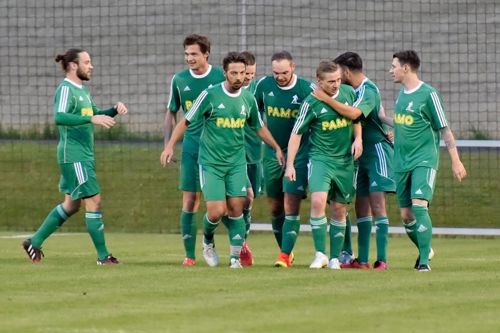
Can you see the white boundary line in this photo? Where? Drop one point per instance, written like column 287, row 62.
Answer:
column 307, row 228
column 23, row 236
column 401, row 230
column 475, row 143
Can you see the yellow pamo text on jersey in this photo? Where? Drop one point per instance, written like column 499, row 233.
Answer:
column 335, row 124
column 188, row 105
column 87, row 112
column 230, row 122
column 281, row 112
column 402, row 119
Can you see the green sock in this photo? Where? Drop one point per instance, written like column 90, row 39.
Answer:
column 364, row 235
column 348, row 237
column 277, row 223
column 337, row 236
column 95, row 228
column 247, row 217
column 382, row 237
column 236, row 236
column 209, row 230
column 291, row 229
column 225, row 220
column 54, row 220
column 318, row 228
column 411, row 231
column 188, row 232
column 424, row 232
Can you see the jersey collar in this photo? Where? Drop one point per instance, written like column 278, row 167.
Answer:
column 294, row 82
column 228, row 93
column 336, row 94
column 73, row 83
column 200, row 76
column 414, row 89
column 361, row 85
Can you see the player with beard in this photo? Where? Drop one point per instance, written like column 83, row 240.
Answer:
column 75, row 116
column 279, row 97
column 224, row 110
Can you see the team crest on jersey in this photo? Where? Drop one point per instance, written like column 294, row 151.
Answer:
column 409, row 108
column 295, row 99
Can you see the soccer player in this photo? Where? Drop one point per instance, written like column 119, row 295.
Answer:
column 419, row 122
column 375, row 176
column 75, row 115
column 224, row 110
column 253, row 146
column 185, row 87
column 279, row 96
column 331, row 161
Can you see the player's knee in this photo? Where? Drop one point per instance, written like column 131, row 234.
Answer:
column 215, row 216
column 378, row 209
column 317, row 204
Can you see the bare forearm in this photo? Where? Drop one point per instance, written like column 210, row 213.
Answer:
column 343, row 109
column 384, row 118
column 168, row 126
column 293, row 147
column 178, row 132
column 358, row 131
column 267, row 137
column 450, row 143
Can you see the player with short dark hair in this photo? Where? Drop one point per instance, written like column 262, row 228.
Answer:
column 185, row 87
column 253, row 148
column 224, row 110
column 419, row 122
column 75, row 115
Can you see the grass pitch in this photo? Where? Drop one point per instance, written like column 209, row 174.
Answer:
column 151, row 292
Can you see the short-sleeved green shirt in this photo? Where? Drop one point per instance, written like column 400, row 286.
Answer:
column 224, row 116
column 368, row 100
column 331, row 134
column 281, row 107
column 418, row 117
column 185, row 87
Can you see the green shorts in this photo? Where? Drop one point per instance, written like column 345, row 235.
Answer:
column 375, row 170
column 276, row 183
column 79, row 180
column 254, row 172
column 336, row 178
column 220, row 182
column 415, row 184
column 189, row 174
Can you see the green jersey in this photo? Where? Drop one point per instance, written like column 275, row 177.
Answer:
column 185, row 87
column 368, row 101
column 281, row 106
column 418, row 117
column 253, row 143
column 223, row 116
column 331, row 133
column 73, row 111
